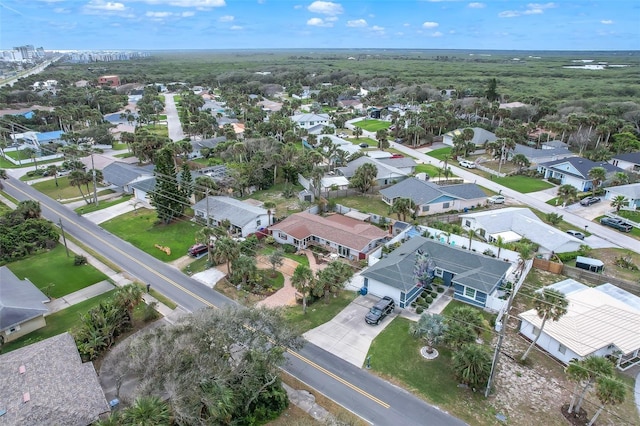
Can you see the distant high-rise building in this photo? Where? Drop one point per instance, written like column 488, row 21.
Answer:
column 28, row 52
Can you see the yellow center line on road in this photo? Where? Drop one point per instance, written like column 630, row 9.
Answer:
column 207, row 303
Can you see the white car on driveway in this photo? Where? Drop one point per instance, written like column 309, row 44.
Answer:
column 468, row 164
column 496, row 199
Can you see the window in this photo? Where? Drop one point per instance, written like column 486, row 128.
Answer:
column 467, row 223
column 438, row 272
column 562, row 348
column 445, row 205
column 282, row 235
column 470, row 292
column 425, row 208
column 536, row 330
column 258, row 222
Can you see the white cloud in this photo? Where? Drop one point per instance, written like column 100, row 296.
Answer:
column 325, row 8
column 61, row 10
column 476, row 5
column 331, row 18
column 158, row 14
column 236, row 27
column 430, row 25
column 193, row 3
column 187, row 14
column 606, row 22
column 297, row 6
column 357, row 23
column 109, row 6
column 532, row 9
column 436, row 34
column 262, row 1
column 378, row 28
column 318, row 22
column 406, row 25
column 226, row 18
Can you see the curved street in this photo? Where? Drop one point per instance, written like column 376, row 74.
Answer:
column 375, row 400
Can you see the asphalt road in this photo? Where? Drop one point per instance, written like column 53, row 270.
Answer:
column 375, row 400
column 173, row 120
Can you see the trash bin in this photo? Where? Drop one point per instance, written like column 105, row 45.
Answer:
column 466, row 210
column 114, row 403
column 363, row 291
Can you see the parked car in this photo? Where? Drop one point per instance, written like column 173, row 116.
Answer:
column 342, row 135
column 587, row 201
column 63, row 173
column 197, row 249
column 399, row 140
column 467, row 164
column 577, row 234
column 364, row 145
column 380, row 310
column 496, row 199
column 616, row 223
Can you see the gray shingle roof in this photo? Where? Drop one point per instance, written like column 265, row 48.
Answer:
column 398, row 162
column 533, row 153
column 207, row 143
column 120, row 174
column 62, row 390
column 235, row 211
column 480, row 136
column 423, row 192
column 384, row 171
column 631, row 191
column 632, row 157
column 470, row 269
column 582, row 165
column 20, row 300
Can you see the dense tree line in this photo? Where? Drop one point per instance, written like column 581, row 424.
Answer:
column 23, row 231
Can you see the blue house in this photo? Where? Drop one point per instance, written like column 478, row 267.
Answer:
column 474, row 277
column 574, row 171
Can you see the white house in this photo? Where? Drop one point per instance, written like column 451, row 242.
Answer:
column 631, row 192
column 387, row 174
column 629, row 161
column 476, row 278
column 309, row 121
column 245, row 218
column 515, row 223
column 480, row 137
column 601, row 321
column 574, row 171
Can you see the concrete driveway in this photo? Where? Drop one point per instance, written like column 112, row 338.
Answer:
column 347, row 335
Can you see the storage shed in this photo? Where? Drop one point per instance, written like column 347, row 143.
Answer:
column 589, row 264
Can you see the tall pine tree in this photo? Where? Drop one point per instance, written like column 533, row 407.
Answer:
column 186, row 181
column 167, row 197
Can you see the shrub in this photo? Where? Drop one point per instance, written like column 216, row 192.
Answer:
column 150, row 312
column 489, row 252
column 434, row 294
column 79, row 260
column 289, row 248
column 429, row 299
column 565, row 257
column 440, row 290
column 270, row 240
column 419, row 310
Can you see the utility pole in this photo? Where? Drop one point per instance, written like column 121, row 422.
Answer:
column 64, row 238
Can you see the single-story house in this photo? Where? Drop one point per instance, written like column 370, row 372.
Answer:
column 628, row 162
column 340, row 143
column 480, row 137
column 38, row 138
column 349, row 238
column 574, row 171
column 245, row 218
column 404, row 164
column 309, row 120
column 22, row 307
column 631, row 192
column 270, row 106
column 515, row 223
column 476, row 278
column 430, row 198
column 387, row 175
column 210, row 143
column 123, row 175
column 543, row 155
column 600, row 321
column 353, row 104
column 46, row 383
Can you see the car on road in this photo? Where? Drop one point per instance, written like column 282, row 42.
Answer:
column 364, row 145
column 399, row 140
column 468, row 164
column 496, row 199
column 380, row 310
column 616, row 223
column 587, row 201
column 63, row 172
column 577, row 234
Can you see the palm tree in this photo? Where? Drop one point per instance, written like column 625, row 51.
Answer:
column 270, row 206
column 597, row 176
column 549, row 304
column 445, row 159
column 382, row 138
column 147, row 411
column 302, row 281
column 499, row 244
column 589, row 370
column 521, row 161
column 431, row 327
column 53, row 170
column 357, row 131
column 226, row 250
column 568, row 193
column 619, row 201
column 472, row 365
column 78, row 178
column 402, row 207
column 471, row 233
column 619, row 178
column 31, row 153
column 610, row 391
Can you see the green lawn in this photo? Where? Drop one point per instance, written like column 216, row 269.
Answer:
column 365, row 203
column 629, row 214
column 439, row 153
column 119, row 146
column 63, row 190
column 395, row 355
column 371, row 142
column 5, row 164
column 124, row 155
column 54, row 267
column 429, row 169
column 523, row 184
column 140, row 229
column 318, row 313
column 58, row 323
column 562, row 225
column 102, row 204
column 372, row 125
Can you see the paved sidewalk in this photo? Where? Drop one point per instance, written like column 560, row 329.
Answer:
column 79, row 296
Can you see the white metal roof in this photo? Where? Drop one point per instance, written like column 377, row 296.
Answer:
column 358, row 215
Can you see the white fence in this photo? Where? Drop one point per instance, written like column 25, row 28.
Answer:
column 488, row 170
column 612, row 213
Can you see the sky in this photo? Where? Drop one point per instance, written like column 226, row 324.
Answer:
column 269, row 24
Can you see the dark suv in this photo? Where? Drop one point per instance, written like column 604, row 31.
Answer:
column 616, row 223
column 380, row 310
column 587, row 201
